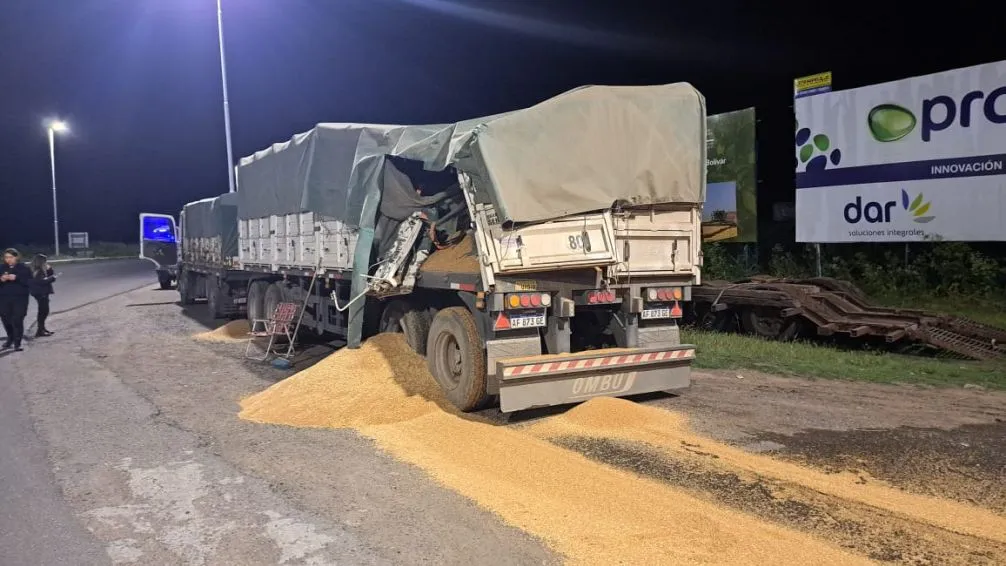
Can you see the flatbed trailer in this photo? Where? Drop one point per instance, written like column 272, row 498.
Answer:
column 784, row 309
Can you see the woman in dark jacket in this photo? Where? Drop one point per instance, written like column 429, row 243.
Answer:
column 15, row 283
column 42, row 278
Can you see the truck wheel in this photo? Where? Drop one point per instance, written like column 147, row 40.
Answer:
column 399, row 316
column 273, row 297
column 214, row 296
column 769, row 323
column 164, row 279
column 186, row 283
column 256, row 300
column 456, row 358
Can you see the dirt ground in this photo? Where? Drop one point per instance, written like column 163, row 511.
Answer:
column 889, row 474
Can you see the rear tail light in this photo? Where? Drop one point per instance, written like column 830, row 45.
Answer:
column 600, row 297
column 664, row 294
column 528, row 300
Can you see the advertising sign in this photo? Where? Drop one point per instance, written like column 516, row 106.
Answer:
column 77, row 240
column 910, row 160
column 814, row 84
column 730, row 211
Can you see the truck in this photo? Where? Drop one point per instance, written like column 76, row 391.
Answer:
column 535, row 258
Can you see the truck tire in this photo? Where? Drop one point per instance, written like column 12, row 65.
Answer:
column 273, row 297
column 186, row 284
column 256, row 300
column 769, row 323
column 215, row 296
column 164, row 280
column 399, row 316
column 456, row 358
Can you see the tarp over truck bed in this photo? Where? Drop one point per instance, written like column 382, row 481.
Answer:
column 211, row 220
column 578, row 152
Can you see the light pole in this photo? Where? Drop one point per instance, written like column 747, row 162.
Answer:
column 54, row 127
column 227, row 109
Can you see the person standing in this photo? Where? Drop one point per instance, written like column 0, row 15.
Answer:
column 41, row 288
column 15, row 284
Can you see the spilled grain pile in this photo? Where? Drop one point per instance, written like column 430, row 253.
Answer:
column 382, row 382
column 462, row 257
column 233, row 331
column 849, row 508
column 590, row 512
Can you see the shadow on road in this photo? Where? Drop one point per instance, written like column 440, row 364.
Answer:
column 156, row 304
column 200, row 314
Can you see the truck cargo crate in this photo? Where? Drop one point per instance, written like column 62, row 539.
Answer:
column 253, row 229
column 570, row 242
column 292, row 222
column 338, row 245
column 307, row 222
column 307, row 251
column 657, row 242
column 277, row 225
column 290, row 249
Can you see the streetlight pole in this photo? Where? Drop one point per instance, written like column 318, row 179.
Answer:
column 53, row 128
column 227, row 109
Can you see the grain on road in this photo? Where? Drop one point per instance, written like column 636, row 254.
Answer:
column 410, row 481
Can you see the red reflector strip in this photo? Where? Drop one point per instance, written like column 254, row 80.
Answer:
column 676, row 310
column 609, row 361
column 463, row 286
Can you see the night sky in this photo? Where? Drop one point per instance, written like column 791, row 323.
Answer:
column 139, row 80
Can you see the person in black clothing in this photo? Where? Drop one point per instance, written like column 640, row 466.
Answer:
column 15, row 284
column 42, row 278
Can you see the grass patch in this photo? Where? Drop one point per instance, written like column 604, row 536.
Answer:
column 805, row 359
column 987, row 310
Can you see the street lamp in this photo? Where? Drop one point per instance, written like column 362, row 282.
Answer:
column 227, row 110
column 56, row 126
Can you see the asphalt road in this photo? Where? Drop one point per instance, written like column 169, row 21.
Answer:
column 36, row 526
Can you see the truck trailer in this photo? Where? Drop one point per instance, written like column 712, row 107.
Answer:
column 538, row 257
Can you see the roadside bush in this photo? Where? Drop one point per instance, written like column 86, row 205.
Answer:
column 727, row 262
column 934, row 269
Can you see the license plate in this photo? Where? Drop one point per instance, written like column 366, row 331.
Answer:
column 660, row 312
column 527, row 321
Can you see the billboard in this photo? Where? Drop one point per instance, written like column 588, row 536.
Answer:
column 730, row 212
column 905, row 161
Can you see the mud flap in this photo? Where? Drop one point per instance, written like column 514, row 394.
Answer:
column 543, row 381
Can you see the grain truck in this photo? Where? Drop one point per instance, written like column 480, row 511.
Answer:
column 537, row 257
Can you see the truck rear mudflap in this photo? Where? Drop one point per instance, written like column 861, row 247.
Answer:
column 547, row 380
